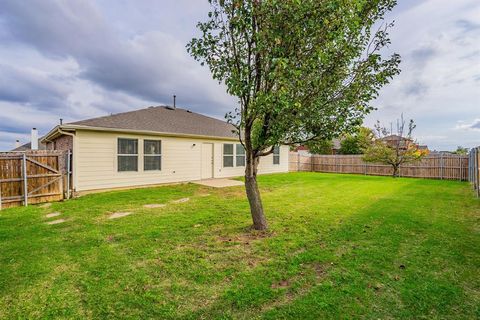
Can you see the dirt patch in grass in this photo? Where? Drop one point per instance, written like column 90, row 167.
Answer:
column 245, row 238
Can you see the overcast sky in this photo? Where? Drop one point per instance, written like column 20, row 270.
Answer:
column 82, row 59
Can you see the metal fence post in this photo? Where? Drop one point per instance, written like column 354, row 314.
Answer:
column 68, row 173
column 477, row 171
column 25, row 180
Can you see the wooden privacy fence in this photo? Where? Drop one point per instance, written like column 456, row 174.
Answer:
column 474, row 169
column 34, row 177
column 451, row 167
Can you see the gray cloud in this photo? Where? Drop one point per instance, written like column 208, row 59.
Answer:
column 27, row 87
column 467, row 25
column 416, row 89
column 151, row 66
column 78, row 59
column 422, row 55
column 475, row 124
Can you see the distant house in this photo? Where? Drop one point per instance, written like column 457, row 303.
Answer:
column 28, row 146
column 396, row 140
column 153, row 146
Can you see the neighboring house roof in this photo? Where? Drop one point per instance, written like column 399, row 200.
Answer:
column 28, row 146
column 394, row 137
column 161, row 119
column 302, row 148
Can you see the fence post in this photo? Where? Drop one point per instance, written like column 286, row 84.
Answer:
column 441, row 166
column 25, row 180
column 477, row 170
column 0, row 196
column 461, row 168
column 298, row 161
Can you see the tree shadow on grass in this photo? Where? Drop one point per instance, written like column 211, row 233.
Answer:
column 400, row 256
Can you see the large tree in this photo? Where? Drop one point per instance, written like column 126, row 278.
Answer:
column 301, row 70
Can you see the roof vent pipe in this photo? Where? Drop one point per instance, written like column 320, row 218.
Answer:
column 34, row 142
column 61, row 121
column 17, row 144
column 174, row 102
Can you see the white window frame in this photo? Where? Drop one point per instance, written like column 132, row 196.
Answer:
column 244, row 155
column 228, row 155
column 153, row 154
column 126, row 155
column 276, row 155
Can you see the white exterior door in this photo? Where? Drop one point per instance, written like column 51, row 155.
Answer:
column 207, row 160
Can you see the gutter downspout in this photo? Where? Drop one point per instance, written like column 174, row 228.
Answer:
column 69, row 162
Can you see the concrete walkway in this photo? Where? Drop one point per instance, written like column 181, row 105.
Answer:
column 219, row 183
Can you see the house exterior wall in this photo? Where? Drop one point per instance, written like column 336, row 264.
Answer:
column 95, row 161
column 62, row 143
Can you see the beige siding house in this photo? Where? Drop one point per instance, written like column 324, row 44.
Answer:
column 154, row 146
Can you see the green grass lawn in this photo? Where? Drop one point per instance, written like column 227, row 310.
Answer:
column 339, row 246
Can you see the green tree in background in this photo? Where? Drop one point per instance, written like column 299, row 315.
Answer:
column 461, row 151
column 357, row 142
column 320, row 146
column 301, row 70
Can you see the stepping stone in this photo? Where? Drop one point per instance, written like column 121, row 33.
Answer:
column 117, row 215
column 56, row 221
column 53, row 214
column 181, row 200
column 204, row 195
column 46, row 205
column 154, row 205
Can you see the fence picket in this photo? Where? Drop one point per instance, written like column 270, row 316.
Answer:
column 23, row 174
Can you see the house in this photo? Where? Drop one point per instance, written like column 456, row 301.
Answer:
column 153, row 146
column 395, row 141
column 403, row 143
column 28, row 146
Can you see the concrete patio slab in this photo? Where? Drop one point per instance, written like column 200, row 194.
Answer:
column 219, row 183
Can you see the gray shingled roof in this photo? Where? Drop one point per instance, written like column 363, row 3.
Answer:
column 165, row 120
column 28, row 146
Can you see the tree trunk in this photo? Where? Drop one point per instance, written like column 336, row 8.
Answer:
column 395, row 171
column 253, row 194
